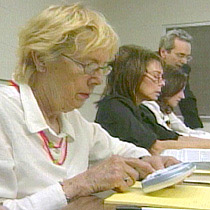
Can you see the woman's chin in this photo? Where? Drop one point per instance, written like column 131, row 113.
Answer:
column 155, row 98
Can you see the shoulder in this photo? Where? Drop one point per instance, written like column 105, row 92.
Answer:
column 75, row 116
column 115, row 103
column 8, row 91
column 151, row 105
column 9, row 97
column 114, row 99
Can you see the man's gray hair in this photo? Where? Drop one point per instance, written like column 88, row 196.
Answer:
column 167, row 41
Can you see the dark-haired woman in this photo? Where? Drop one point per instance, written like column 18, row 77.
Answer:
column 171, row 94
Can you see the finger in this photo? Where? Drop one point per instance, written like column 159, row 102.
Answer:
column 122, row 185
column 168, row 161
column 131, row 173
column 143, row 168
column 156, row 161
column 129, row 181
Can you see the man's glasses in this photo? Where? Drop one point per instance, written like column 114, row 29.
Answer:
column 157, row 79
column 91, row 68
column 183, row 56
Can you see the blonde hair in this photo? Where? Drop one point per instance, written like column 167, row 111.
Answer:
column 71, row 29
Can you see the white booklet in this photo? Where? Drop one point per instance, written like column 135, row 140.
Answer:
column 189, row 155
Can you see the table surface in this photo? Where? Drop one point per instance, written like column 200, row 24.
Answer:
column 93, row 202
column 89, row 203
column 96, row 202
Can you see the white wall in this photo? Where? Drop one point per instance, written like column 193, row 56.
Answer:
column 136, row 21
column 13, row 15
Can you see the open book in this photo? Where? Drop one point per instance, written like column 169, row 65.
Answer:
column 201, row 158
column 189, row 155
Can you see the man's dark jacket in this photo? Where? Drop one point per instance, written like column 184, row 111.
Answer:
column 188, row 105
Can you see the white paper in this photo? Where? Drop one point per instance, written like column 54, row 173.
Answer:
column 189, row 155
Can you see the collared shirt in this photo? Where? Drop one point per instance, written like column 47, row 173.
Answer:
column 28, row 177
column 175, row 123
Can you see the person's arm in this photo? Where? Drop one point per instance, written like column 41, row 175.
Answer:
column 102, row 146
column 50, row 198
column 117, row 173
column 181, row 143
column 119, row 119
column 178, row 125
column 112, row 171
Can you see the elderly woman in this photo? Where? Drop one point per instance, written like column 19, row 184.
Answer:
column 137, row 76
column 171, row 94
column 46, row 145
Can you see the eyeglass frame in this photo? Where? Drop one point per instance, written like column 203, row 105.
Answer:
column 157, row 80
column 182, row 56
column 105, row 69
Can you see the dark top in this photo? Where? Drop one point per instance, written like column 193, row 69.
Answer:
column 136, row 124
column 188, row 105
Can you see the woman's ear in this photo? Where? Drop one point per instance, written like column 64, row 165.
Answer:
column 40, row 65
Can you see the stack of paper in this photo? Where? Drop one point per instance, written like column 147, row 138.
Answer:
column 180, row 196
column 199, row 176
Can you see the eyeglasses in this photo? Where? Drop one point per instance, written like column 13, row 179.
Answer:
column 157, row 79
column 183, row 56
column 91, row 68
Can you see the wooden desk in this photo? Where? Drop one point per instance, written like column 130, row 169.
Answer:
column 89, row 203
column 95, row 202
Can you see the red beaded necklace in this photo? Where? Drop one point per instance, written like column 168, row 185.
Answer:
column 47, row 145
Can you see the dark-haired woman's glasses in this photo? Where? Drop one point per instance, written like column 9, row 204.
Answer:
column 156, row 78
column 91, row 68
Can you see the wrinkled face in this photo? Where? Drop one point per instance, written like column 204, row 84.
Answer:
column 69, row 85
column 152, row 82
column 179, row 55
column 174, row 100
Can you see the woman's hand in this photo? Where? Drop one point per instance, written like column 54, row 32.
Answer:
column 160, row 145
column 116, row 173
column 160, row 162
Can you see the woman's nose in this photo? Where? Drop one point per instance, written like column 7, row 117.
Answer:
column 182, row 95
column 163, row 82
column 96, row 78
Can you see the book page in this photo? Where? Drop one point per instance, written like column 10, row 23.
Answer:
column 189, row 155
